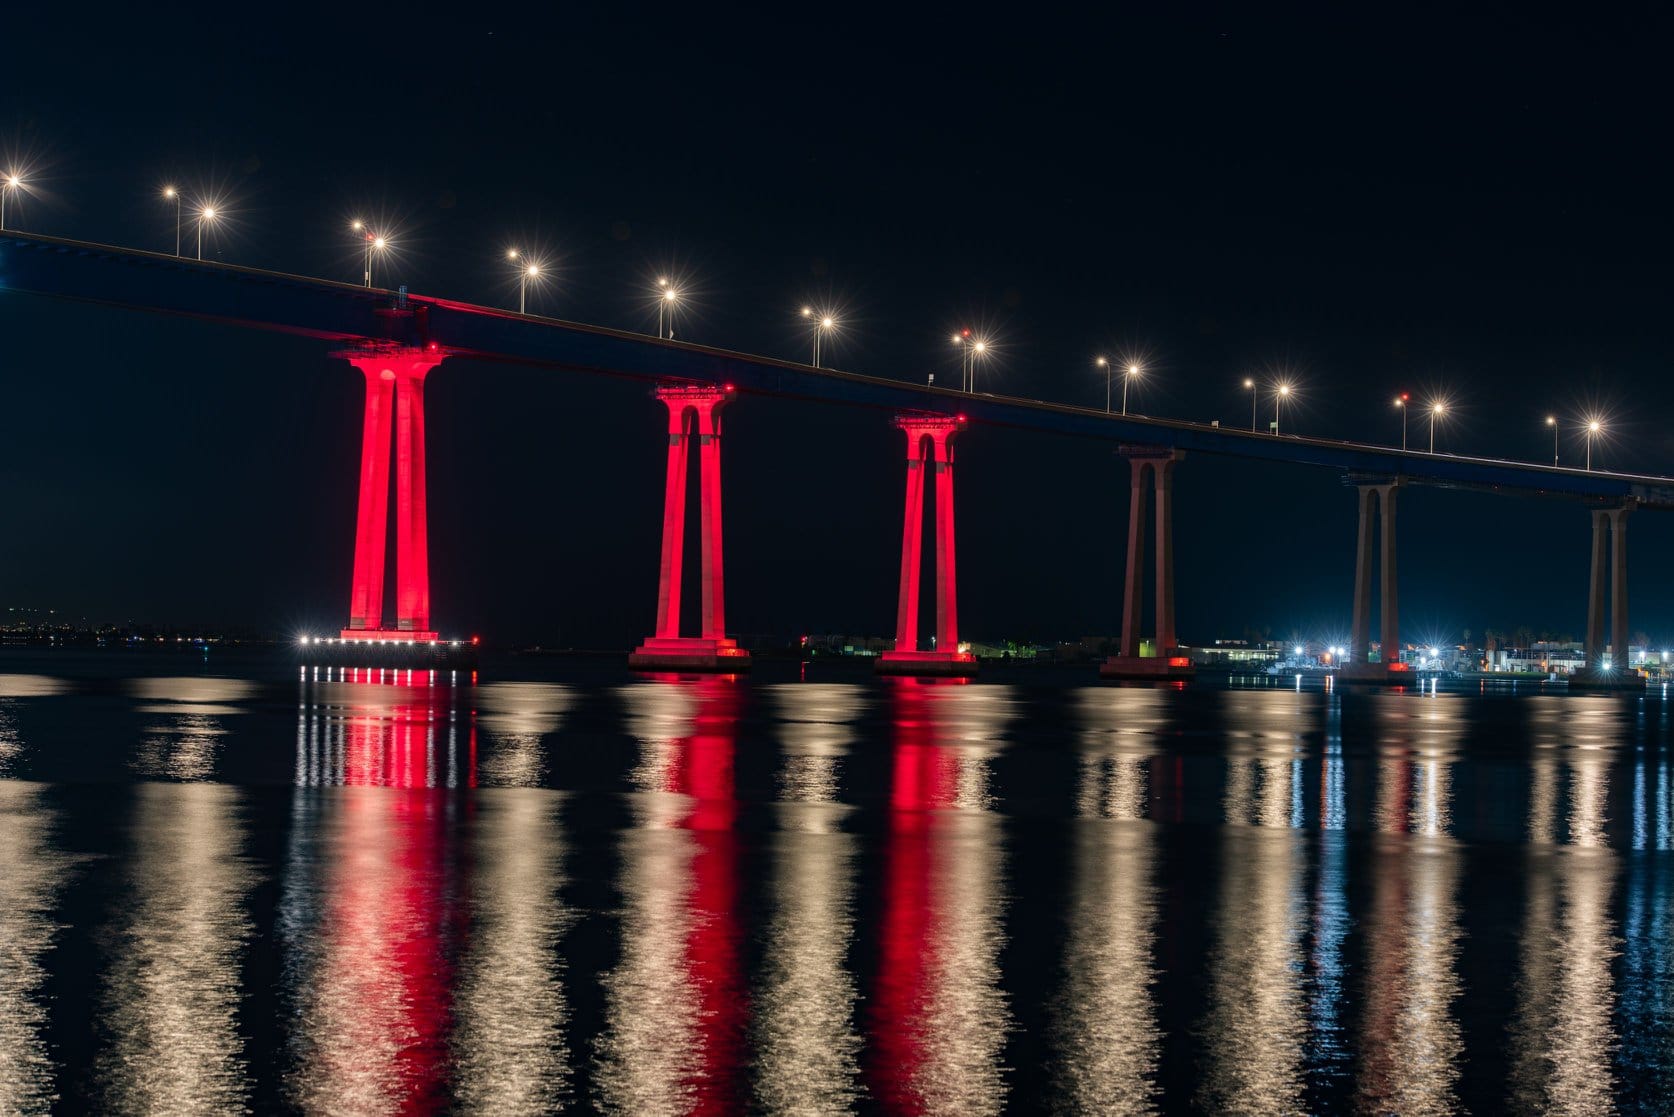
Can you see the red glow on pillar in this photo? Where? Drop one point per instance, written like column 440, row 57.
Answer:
column 929, row 450
column 394, row 411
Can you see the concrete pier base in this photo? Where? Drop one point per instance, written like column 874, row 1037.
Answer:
column 1167, row 668
column 955, row 665
column 1377, row 674
column 1601, row 680
column 689, row 653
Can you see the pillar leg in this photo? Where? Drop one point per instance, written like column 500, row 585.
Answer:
column 947, row 590
column 906, row 616
column 674, row 528
column 1131, row 598
column 1166, row 642
column 1360, row 639
column 1618, row 591
column 709, row 465
column 366, row 598
column 1389, row 634
column 412, row 554
column 1595, row 596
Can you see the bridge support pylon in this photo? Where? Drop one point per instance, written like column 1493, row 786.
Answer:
column 1376, row 500
column 929, row 451
column 694, row 411
column 1609, row 548
column 1167, row 662
column 394, row 411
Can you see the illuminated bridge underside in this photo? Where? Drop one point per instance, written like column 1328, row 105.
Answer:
column 341, row 313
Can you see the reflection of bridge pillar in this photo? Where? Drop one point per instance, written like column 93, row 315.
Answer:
column 1378, row 493
column 1165, row 662
column 1609, row 546
column 693, row 411
column 394, row 396
column 929, row 450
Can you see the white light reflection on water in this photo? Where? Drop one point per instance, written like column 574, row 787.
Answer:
column 804, row 1030
column 185, row 745
column 32, row 873
column 937, row 1016
column 173, row 988
column 1411, row 1044
column 1256, row 1028
column 13, row 688
column 1106, row 1027
column 676, row 1008
column 1563, row 1036
column 510, row 1052
column 515, row 718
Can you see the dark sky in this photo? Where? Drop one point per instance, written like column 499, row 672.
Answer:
column 1475, row 204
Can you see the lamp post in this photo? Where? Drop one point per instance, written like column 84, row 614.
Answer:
column 667, row 296
column 1401, row 406
column 1131, row 372
column 172, row 194
column 1593, row 427
column 1552, row 421
column 964, row 341
column 1250, row 387
column 1279, row 396
column 205, row 216
column 1105, row 364
column 372, row 241
column 979, row 348
column 524, row 275
column 822, row 323
column 1436, row 408
column 12, row 182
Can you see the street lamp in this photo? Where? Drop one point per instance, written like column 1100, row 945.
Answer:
column 1250, row 387
column 979, row 348
column 965, row 342
column 1105, row 364
column 1131, row 372
column 12, row 182
column 1593, row 427
column 1436, row 408
column 524, row 275
column 823, row 323
column 667, row 296
column 1280, row 394
column 1401, row 406
column 173, row 195
column 372, row 241
column 205, row 215
column 1552, row 421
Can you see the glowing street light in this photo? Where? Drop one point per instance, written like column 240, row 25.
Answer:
column 1105, row 364
column 525, row 272
column 979, row 348
column 1552, row 421
column 1436, row 408
column 667, row 297
column 1280, row 393
column 966, row 343
column 1131, row 372
column 172, row 194
column 1250, row 387
column 1593, row 427
column 823, row 324
column 206, row 215
column 11, row 183
column 374, row 242
column 1401, row 406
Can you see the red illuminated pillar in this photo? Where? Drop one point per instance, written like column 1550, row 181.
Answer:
column 929, row 452
column 394, row 407
column 693, row 412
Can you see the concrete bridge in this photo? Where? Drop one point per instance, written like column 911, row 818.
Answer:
column 395, row 339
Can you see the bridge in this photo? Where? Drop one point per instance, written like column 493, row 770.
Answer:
column 395, row 339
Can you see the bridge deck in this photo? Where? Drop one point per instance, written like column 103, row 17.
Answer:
column 342, row 313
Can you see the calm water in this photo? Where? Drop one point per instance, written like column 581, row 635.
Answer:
column 223, row 887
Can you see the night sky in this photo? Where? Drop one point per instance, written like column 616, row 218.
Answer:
column 1476, row 205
